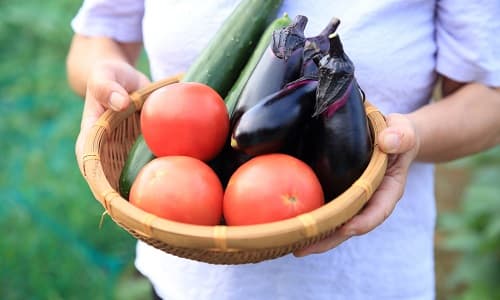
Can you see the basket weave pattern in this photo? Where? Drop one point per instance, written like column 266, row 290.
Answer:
column 105, row 152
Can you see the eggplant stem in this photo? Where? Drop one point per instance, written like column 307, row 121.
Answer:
column 234, row 143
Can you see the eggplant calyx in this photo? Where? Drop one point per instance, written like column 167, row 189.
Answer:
column 313, row 51
column 331, row 27
column 322, row 41
column 335, row 104
column 334, row 90
column 336, row 74
column 336, row 47
column 287, row 40
column 298, row 83
column 331, row 87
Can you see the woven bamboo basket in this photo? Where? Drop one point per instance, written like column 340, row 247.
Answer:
column 105, row 151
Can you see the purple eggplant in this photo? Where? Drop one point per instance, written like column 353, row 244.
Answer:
column 227, row 161
column 341, row 139
column 280, row 64
column 289, row 39
column 317, row 46
column 275, row 124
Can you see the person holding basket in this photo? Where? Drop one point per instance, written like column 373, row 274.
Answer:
column 401, row 50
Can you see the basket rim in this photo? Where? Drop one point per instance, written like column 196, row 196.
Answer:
column 225, row 238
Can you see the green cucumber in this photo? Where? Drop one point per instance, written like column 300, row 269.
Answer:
column 218, row 66
column 221, row 62
column 235, row 92
column 228, row 160
column 139, row 155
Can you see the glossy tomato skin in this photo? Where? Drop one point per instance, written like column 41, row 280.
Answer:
column 179, row 188
column 185, row 118
column 271, row 187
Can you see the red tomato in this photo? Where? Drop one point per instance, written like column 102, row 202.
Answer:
column 269, row 188
column 185, row 118
column 179, row 188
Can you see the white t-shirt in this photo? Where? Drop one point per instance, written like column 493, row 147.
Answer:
column 398, row 47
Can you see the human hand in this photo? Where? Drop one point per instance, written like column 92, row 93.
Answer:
column 108, row 86
column 400, row 140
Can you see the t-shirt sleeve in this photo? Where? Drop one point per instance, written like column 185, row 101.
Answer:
column 467, row 36
column 117, row 19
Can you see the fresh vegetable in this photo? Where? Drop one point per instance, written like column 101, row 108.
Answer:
column 317, row 46
column 229, row 159
column 290, row 39
column 138, row 157
column 179, row 188
column 265, row 40
column 272, row 73
column 220, row 63
column 185, row 118
column 277, row 121
column 341, row 137
column 222, row 60
column 269, row 188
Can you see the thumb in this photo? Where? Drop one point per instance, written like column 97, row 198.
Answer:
column 91, row 112
column 110, row 83
column 400, row 135
column 107, row 92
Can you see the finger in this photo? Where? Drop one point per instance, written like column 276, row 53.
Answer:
column 79, row 150
column 91, row 112
column 106, row 91
column 132, row 83
column 399, row 136
column 373, row 214
column 332, row 241
column 378, row 209
column 111, row 83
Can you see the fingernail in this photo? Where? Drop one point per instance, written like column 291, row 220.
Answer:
column 116, row 101
column 303, row 252
column 391, row 142
column 299, row 253
column 351, row 232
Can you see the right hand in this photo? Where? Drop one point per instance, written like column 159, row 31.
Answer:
column 108, row 86
column 402, row 142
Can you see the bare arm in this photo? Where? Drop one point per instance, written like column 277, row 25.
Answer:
column 86, row 52
column 465, row 121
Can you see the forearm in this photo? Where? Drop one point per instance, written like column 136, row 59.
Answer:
column 85, row 52
column 462, row 123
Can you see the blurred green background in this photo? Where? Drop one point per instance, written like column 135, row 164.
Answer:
column 51, row 244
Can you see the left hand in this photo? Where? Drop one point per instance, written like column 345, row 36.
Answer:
column 400, row 140
column 108, row 86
